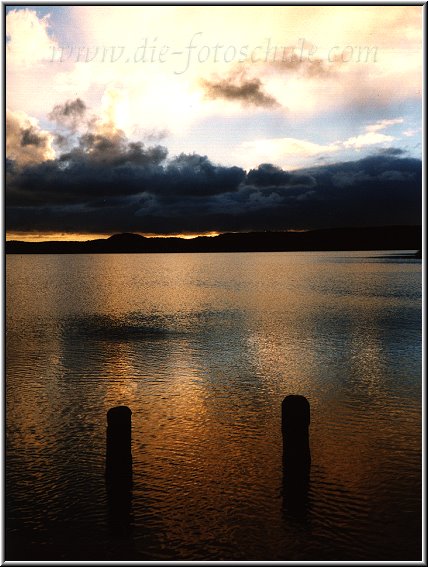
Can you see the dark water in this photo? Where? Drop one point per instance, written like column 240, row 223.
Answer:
column 203, row 348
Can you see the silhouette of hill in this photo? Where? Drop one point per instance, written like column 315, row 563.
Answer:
column 126, row 237
column 362, row 238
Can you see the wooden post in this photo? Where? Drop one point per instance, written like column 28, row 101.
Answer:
column 295, row 432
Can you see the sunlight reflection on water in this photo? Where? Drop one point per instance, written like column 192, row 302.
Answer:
column 203, row 348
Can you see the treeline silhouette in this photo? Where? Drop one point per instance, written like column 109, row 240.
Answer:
column 361, row 238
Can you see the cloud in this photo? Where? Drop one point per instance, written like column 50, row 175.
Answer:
column 26, row 142
column 286, row 75
column 382, row 124
column 31, row 75
column 114, row 109
column 30, row 137
column 158, row 97
column 27, row 38
column 192, row 174
column 392, row 152
column 291, row 151
column 410, row 132
column 106, row 182
column 305, row 68
column 102, row 166
column 238, row 87
column 109, row 185
column 300, row 61
column 295, row 151
column 268, row 175
column 151, row 134
column 367, row 139
column 69, row 114
column 111, row 151
column 288, row 115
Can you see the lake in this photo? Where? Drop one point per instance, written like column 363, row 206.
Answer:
column 203, row 348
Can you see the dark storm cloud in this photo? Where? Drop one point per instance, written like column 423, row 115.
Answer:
column 30, row 137
column 248, row 91
column 192, row 174
column 392, row 152
column 270, row 175
column 71, row 111
column 111, row 185
column 113, row 150
column 100, row 169
column 61, row 140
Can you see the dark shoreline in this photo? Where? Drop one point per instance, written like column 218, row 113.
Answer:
column 328, row 240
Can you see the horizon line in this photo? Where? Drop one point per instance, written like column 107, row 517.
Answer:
column 85, row 237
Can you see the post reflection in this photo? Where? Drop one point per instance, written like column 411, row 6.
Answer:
column 296, row 458
column 119, row 474
column 119, row 507
column 295, row 493
column 120, row 520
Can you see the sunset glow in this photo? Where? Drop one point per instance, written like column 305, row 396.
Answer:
column 187, row 120
column 213, row 283
column 79, row 237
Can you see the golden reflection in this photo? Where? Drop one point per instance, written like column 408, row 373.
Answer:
column 291, row 348
column 118, row 369
column 239, row 333
column 35, row 426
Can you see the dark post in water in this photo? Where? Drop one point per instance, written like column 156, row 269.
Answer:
column 295, row 433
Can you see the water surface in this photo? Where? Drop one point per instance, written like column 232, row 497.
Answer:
column 203, row 348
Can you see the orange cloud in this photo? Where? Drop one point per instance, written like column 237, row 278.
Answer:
column 26, row 142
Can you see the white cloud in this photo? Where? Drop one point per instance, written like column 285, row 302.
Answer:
column 411, row 132
column 28, row 40
column 368, row 139
column 382, row 124
column 30, row 73
column 292, row 153
column 154, row 96
column 289, row 153
column 114, row 110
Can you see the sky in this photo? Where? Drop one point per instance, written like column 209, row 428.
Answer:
column 187, row 120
